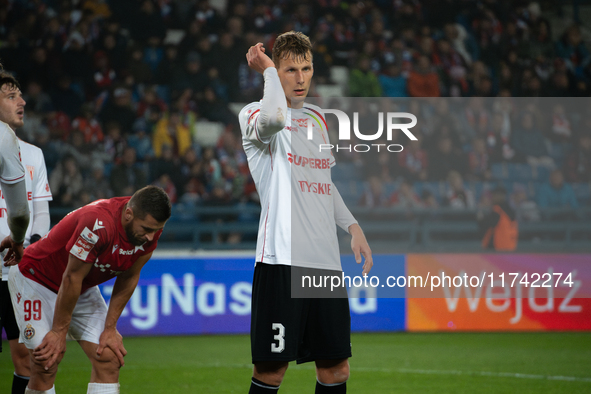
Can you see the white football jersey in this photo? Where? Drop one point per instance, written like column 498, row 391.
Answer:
column 11, row 168
column 293, row 178
column 37, row 189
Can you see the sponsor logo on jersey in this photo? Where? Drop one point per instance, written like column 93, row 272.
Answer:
column 97, row 225
column 132, row 251
column 84, row 244
column 310, row 162
column 18, row 298
column 47, row 187
column 115, row 247
column 29, row 331
column 302, row 122
column 315, row 187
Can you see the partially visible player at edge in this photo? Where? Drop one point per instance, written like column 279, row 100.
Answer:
column 284, row 329
column 38, row 196
column 54, row 289
column 12, row 172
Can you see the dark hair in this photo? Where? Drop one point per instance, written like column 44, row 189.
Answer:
column 7, row 78
column 292, row 44
column 151, row 200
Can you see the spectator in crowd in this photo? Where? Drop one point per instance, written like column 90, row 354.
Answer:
column 165, row 182
column 167, row 164
column 528, row 142
column 578, row 162
column 127, row 177
column 413, row 162
column 136, row 67
column 392, row 82
column 215, row 110
column 97, row 185
column 527, row 210
column 193, row 77
column 457, row 196
column 172, row 132
column 114, row 143
column 141, row 141
column 573, row 51
column 38, row 101
column 373, row 196
column 363, row 81
column 66, row 182
column 445, row 159
column 405, row 197
column 423, row 81
column 556, row 193
column 65, row 99
column 88, row 125
column 560, row 125
column 119, row 110
column 479, row 161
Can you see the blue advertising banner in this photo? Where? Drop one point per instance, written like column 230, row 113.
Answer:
column 211, row 295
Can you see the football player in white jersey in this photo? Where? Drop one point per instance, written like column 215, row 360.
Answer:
column 12, row 172
column 301, row 208
column 38, row 195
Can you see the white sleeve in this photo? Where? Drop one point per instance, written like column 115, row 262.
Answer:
column 40, row 218
column 15, row 196
column 342, row 216
column 260, row 125
column 11, row 167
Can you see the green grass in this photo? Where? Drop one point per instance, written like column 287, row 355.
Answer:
column 381, row 363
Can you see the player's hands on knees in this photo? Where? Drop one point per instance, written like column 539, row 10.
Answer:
column 110, row 338
column 360, row 248
column 51, row 349
column 14, row 253
column 257, row 59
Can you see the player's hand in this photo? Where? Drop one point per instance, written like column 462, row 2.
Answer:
column 110, row 338
column 51, row 349
column 257, row 59
column 14, row 253
column 360, row 248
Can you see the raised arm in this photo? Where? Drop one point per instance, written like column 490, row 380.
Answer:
column 122, row 291
column 270, row 119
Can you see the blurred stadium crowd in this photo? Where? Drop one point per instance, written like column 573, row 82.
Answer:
column 124, row 93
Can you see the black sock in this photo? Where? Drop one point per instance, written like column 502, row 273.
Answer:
column 19, row 384
column 337, row 388
column 258, row 387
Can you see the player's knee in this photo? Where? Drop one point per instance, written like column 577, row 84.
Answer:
column 107, row 364
column 37, row 368
column 330, row 372
column 271, row 373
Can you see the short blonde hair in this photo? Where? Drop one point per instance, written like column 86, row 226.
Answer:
column 293, row 44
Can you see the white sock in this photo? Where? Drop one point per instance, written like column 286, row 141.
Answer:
column 103, row 388
column 50, row 391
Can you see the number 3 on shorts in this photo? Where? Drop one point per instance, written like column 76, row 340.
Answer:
column 280, row 338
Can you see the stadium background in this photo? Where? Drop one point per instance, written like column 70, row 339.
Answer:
column 108, row 83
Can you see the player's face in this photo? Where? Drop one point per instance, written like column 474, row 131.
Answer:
column 12, row 106
column 295, row 76
column 140, row 231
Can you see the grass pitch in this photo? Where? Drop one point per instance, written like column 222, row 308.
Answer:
column 381, row 363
